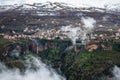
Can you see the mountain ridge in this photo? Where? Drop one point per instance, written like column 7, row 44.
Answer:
column 55, row 6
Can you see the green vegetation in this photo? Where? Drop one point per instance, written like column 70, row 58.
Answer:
column 89, row 65
column 3, row 43
column 15, row 64
column 116, row 46
column 82, row 65
column 54, row 53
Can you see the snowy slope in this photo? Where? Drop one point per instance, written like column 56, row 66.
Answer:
column 43, row 8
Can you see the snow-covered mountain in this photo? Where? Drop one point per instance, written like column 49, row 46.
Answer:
column 50, row 8
column 7, row 7
column 39, row 6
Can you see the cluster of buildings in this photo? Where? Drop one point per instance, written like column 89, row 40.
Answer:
column 38, row 33
column 51, row 34
column 105, row 36
column 57, row 34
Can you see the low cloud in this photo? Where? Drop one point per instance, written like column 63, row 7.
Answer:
column 36, row 70
column 80, row 32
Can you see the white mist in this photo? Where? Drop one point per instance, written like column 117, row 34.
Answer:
column 42, row 72
column 80, row 32
column 116, row 73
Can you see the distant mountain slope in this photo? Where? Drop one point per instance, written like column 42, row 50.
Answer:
column 49, row 6
column 55, row 15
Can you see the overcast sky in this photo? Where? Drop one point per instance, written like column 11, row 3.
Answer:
column 92, row 3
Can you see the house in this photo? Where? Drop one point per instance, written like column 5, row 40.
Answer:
column 91, row 47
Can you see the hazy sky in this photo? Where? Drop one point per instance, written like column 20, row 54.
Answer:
column 93, row 3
